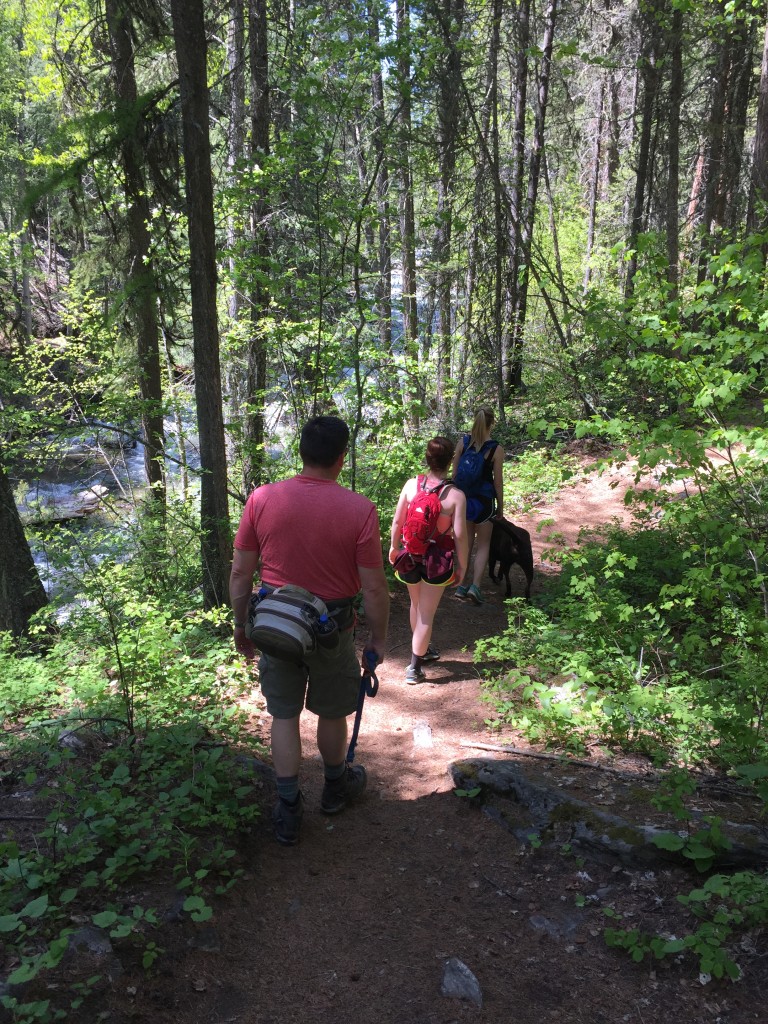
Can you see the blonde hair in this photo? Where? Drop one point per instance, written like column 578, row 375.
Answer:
column 484, row 420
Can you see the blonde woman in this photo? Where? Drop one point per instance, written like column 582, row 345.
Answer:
column 477, row 472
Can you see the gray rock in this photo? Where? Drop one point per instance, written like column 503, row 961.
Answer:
column 460, row 983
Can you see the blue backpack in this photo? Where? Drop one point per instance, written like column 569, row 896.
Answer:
column 470, row 472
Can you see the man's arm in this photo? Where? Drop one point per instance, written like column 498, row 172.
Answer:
column 244, row 565
column 376, row 601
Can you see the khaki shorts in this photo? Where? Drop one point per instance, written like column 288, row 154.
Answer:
column 327, row 684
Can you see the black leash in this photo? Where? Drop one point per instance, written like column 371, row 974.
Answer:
column 369, row 686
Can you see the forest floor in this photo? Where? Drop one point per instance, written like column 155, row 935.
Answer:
column 355, row 924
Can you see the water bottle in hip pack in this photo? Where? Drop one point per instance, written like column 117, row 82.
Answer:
column 285, row 623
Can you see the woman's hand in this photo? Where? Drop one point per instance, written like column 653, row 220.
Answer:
column 393, row 553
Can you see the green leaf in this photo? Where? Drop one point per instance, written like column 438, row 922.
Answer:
column 35, row 908
column 105, row 919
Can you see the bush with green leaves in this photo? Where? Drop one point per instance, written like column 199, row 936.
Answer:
column 641, row 644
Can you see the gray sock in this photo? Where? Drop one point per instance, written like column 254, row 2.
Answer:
column 334, row 771
column 288, row 788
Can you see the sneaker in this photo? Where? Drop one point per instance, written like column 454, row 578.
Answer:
column 432, row 654
column 414, row 675
column 336, row 792
column 474, row 595
column 286, row 821
column 462, row 592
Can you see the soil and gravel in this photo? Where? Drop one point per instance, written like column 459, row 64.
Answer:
column 356, row 923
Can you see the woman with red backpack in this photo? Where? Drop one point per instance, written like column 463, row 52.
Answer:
column 477, row 471
column 428, row 547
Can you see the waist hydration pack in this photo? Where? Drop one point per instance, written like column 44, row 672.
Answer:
column 421, row 518
column 470, row 472
column 289, row 623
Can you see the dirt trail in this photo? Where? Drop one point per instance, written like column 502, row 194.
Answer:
column 354, row 925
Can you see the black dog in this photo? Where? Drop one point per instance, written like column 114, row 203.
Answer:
column 510, row 545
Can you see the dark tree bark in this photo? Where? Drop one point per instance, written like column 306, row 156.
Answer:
column 191, row 54
column 511, row 285
column 142, row 289
column 407, row 214
column 450, row 15
column 757, row 215
column 235, row 154
column 724, row 143
column 21, row 592
column 649, row 76
column 673, row 149
column 594, row 185
column 383, row 291
column 256, row 380
column 514, row 375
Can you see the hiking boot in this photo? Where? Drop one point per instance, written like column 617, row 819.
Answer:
column 414, row 675
column 432, row 654
column 474, row 595
column 336, row 792
column 286, row 821
column 462, row 592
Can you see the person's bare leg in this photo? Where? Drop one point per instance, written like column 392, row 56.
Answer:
column 429, row 599
column 471, row 529
column 286, row 746
column 482, row 550
column 332, row 739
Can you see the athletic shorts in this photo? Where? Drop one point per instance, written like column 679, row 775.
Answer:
column 328, row 683
column 480, row 510
column 436, row 568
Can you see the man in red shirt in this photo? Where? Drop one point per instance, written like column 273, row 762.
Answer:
column 310, row 531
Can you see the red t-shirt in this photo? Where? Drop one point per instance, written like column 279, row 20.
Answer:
column 313, row 533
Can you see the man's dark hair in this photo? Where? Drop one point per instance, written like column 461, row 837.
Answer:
column 323, row 440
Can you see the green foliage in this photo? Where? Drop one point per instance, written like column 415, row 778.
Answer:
column 726, row 905
column 121, row 731
column 535, row 475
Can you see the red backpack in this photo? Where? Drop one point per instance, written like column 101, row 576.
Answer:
column 421, row 518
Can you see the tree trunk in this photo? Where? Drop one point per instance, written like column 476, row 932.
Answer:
column 650, row 83
column 757, row 214
column 383, row 291
column 407, row 214
column 142, row 289
column 451, row 16
column 515, row 378
column 515, row 203
column 191, row 54
column 21, row 592
column 673, row 150
column 253, row 448
column 235, row 154
column 594, row 187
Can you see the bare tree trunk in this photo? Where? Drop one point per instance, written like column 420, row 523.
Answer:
column 21, row 592
column 235, row 154
column 526, row 234
column 594, row 187
column 727, row 122
column 757, row 214
column 673, row 150
column 511, row 284
column 256, row 380
column 451, row 18
column 191, row 56
column 650, row 82
column 383, row 291
column 407, row 214
column 142, row 288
